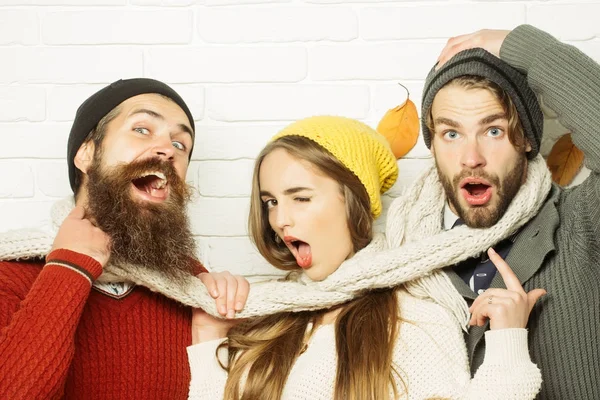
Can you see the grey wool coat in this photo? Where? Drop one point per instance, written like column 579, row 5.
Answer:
column 559, row 249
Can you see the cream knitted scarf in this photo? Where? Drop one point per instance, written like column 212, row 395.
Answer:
column 413, row 251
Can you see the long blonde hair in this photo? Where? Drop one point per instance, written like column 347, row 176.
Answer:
column 262, row 351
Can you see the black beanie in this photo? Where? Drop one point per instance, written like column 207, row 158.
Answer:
column 102, row 102
column 478, row 62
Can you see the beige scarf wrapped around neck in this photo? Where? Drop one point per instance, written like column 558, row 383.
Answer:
column 412, row 252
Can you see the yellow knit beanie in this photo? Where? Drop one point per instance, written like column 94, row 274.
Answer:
column 359, row 147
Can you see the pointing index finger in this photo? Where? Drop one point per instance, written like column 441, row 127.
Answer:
column 510, row 279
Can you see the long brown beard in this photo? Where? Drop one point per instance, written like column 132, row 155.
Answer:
column 487, row 215
column 152, row 236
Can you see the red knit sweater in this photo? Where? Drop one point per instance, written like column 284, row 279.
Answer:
column 61, row 339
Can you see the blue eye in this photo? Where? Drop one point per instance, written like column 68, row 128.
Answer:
column 495, row 132
column 451, row 135
column 142, row 130
column 178, row 145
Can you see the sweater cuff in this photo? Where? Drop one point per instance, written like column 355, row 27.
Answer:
column 77, row 262
column 507, row 347
column 521, row 46
column 201, row 353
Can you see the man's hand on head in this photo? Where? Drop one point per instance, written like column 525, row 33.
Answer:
column 487, row 39
column 78, row 234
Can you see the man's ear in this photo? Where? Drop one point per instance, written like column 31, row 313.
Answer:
column 85, row 156
column 527, row 146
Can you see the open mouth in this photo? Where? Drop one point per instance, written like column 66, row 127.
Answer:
column 476, row 191
column 301, row 251
column 152, row 185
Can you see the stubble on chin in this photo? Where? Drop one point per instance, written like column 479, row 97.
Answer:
column 504, row 191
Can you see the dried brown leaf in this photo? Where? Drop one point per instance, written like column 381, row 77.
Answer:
column 400, row 126
column 565, row 160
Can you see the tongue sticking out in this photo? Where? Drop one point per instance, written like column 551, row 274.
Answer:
column 304, row 256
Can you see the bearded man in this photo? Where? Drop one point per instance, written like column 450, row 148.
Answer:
column 483, row 124
column 71, row 326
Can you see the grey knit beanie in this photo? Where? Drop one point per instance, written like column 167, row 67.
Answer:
column 478, row 62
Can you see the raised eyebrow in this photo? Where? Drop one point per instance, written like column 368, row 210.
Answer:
column 446, row 121
column 154, row 114
column 146, row 111
column 186, row 129
column 492, row 118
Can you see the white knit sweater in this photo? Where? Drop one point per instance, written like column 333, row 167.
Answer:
column 430, row 355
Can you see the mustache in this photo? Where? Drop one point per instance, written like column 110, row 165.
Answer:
column 125, row 174
column 138, row 168
column 476, row 173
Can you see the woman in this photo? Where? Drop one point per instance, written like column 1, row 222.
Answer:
column 316, row 192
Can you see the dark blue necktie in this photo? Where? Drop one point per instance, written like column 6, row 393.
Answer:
column 481, row 269
column 458, row 222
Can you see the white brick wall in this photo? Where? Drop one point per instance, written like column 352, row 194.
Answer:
column 229, row 64
column 61, row 65
column 126, row 27
column 285, row 23
column 19, row 27
column 17, row 179
column 245, row 67
column 22, row 103
column 285, row 102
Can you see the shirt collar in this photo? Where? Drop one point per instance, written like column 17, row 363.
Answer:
column 449, row 217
